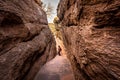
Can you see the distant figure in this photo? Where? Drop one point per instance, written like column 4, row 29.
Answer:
column 59, row 50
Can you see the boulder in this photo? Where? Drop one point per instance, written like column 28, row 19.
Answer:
column 91, row 31
column 26, row 42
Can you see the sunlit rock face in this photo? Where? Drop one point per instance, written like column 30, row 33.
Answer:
column 26, row 42
column 92, row 37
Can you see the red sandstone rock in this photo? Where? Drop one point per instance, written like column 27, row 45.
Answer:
column 26, row 42
column 92, row 37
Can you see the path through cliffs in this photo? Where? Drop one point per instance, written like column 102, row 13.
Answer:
column 57, row 69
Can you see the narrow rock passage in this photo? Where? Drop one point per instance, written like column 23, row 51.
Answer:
column 57, row 69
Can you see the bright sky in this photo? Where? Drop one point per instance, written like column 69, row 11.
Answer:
column 54, row 3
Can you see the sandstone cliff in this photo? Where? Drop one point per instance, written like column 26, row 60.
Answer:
column 26, row 42
column 91, row 30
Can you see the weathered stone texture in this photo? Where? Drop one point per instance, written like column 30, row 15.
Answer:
column 26, row 42
column 91, row 30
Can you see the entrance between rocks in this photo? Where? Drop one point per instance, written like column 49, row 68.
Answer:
column 58, row 68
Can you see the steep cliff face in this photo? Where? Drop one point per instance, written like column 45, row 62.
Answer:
column 91, row 30
column 26, row 42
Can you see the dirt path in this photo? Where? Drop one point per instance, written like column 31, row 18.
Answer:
column 57, row 69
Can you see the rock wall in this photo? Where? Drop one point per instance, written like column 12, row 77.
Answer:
column 91, row 30
column 26, row 42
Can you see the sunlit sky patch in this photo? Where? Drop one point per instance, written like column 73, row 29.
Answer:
column 54, row 3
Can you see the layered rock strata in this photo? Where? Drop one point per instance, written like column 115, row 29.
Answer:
column 26, row 42
column 91, row 31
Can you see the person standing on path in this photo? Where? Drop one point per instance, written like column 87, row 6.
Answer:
column 59, row 50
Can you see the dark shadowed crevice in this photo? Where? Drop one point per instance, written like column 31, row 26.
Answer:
column 10, row 19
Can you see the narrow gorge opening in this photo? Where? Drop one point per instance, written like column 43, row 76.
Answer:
column 87, row 31
column 91, row 32
column 59, row 68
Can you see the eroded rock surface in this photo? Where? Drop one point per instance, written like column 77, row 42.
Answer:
column 91, row 30
column 26, row 42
